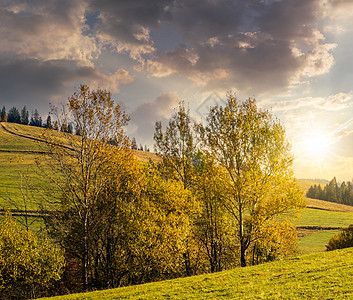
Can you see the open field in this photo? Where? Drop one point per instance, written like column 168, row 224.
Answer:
column 327, row 215
column 324, row 218
column 324, row 275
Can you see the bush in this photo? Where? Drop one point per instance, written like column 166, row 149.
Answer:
column 28, row 266
column 342, row 240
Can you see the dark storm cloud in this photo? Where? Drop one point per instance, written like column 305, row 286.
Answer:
column 126, row 24
column 254, row 46
column 200, row 20
column 289, row 20
column 36, row 83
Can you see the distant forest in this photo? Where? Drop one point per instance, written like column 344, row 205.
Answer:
column 333, row 192
column 22, row 117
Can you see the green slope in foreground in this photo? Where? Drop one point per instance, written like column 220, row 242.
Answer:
column 326, row 275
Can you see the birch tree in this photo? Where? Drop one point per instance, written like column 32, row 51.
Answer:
column 251, row 145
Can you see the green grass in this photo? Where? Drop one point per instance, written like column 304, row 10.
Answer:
column 318, row 217
column 14, row 143
column 315, row 241
column 326, row 275
column 14, row 168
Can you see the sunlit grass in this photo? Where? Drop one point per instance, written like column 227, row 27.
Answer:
column 324, row 218
column 324, row 275
column 315, row 241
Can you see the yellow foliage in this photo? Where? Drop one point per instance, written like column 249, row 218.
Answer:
column 26, row 264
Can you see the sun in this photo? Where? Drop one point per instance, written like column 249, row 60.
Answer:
column 316, row 144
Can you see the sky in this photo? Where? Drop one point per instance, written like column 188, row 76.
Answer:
column 293, row 56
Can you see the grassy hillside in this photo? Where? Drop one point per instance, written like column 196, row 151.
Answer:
column 320, row 221
column 317, row 276
column 20, row 145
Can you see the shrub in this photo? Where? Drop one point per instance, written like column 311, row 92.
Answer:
column 341, row 240
column 28, row 266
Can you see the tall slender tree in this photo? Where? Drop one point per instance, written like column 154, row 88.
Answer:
column 176, row 149
column 251, row 146
column 85, row 164
column 24, row 116
column 3, row 116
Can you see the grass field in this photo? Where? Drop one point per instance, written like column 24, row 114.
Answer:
column 324, row 218
column 326, row 275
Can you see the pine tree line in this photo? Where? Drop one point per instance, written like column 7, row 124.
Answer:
column 333, row 192
column 21, row 117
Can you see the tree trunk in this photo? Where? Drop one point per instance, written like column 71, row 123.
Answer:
column 187, row 263
column 242, row 254
column 85, row 252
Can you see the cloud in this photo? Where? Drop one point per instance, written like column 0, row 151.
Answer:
column 126, row 25
column 250, row 46
column 253, row 47
column 39, row 82
column 146, row 115
column 333, row 102
column 46, row 30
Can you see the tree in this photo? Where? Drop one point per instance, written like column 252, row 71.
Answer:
column 3, row 116
column 48, row 123
column 85, row 166
column 331, row 191
column 24, row 116
column 251, row 146
column 13, row 116
column 175, row 148
column 28, row 266
column 36, row 119
column 133, row 144
column 213, row 228
column 312, row 192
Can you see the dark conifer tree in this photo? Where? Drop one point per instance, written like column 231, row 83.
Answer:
column 24, row 116
column 3, row 116
column 36, row 119
column 48, row 123
column 13, row 115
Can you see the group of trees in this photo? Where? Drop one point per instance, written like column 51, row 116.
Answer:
column 21, row 117
column 220, row 194
column 333, row 192
column 140, row 148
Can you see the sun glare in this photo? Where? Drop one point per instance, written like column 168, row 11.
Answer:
column 316, row 144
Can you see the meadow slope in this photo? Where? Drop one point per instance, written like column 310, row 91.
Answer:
column 324, row 275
